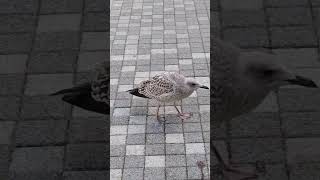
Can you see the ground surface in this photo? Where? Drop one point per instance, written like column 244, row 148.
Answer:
column 47, row 45
column 284, row 132
column 148, row 37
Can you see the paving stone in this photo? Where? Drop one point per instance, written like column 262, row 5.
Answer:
column 16, row 6
column 15, row 43
column 136, row 139
column 37, row 163
column 85, row 175
column 6, row 130
column 293, row 37
column 154, row 173
column 300, row 123
column 247, row 37
column 11, row 84
column 155, row 149
column 176, row 173
column 9, row 108
column 94, row 41
column 52, row 62
column 256, row 125
column 305, row 171
column 50, row 41
column 193, row 137
column 88, row 59
column 61, row 6
column 133, row 174
column 86, row 130
column 118, row 140
column 135, row 149
column 115, row 174
column 243, row 18
column 300, row 150
column 192, row 159
column 175, row 160
column 289, row 16
column 47, row 83
column 175, row 149
column 252, row 150
column 155, row 161
column 116, row 162
column 195, row 148
column 17, row 23
column 58, row 23
column 39, row 133
column 134, row 161
column 95, row 21
column 90, row 156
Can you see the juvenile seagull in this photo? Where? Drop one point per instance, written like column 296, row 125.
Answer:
column 92, row 95
column 241, row 81
column 167, row 87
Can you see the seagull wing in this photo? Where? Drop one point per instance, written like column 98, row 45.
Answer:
column 158, row 87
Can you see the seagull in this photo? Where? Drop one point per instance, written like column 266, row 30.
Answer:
column 241, row 80
column 167, row 87
column 92, row 95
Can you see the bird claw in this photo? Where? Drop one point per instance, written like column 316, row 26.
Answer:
column 184, row 116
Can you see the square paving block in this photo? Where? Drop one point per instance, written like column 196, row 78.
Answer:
column 155, row 161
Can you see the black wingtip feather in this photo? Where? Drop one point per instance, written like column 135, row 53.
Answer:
column 135, row 92
column 80, row 96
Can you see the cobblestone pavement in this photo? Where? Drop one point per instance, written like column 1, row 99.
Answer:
column 47, row 45
column 149, row 37
column 284, row 132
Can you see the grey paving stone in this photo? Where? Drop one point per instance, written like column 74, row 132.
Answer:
column 154, row 138
column 289, row 16
column 16, row 6
column 95, row 21
column 193, row 137
column 61, row 6
column 52, row 62
column 44, row 84
column 176, row 173
column 175, row 149
column 85, row 175
column 243, row 18
column 88, row 129
column 17, row 23
column 86, row 156
column 88, row 59
column 94, row 41
column 175, row 160
column 58, row 23
column 6, row 130
column 154, row 173
column 305, row 171
column 252, row 150
column 256, row 125
column 133, row 174
column 192, row 159
column 301, row 150
column 155, row 149
column 15, row 43
column 13, row 63
column 293, row 37
column 96, row 5
column 134, row 162
column 247, row 37
column 116, row 162
column 11, row 84
column 118, row 150
column 42, row 107
column 37, row 163
column 301, row 99
column 9, row 108
column 50, row 41
column 4, row 160
column 39, row 133
column 280, row 3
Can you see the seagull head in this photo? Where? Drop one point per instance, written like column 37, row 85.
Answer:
column 266, row 71
column 193, row 84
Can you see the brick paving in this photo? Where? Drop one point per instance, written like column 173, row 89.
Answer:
column 45, row 46
column 284, row 131
column 148, row 37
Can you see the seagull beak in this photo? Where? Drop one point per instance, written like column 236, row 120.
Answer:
column 303, row 81
column 204, row 87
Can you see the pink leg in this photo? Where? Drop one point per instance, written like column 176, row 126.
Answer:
column 182, row 116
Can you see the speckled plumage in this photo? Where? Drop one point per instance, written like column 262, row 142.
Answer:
column 165, row 87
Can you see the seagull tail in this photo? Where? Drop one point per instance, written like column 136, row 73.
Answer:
column 135, row 92
column 80, row 96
